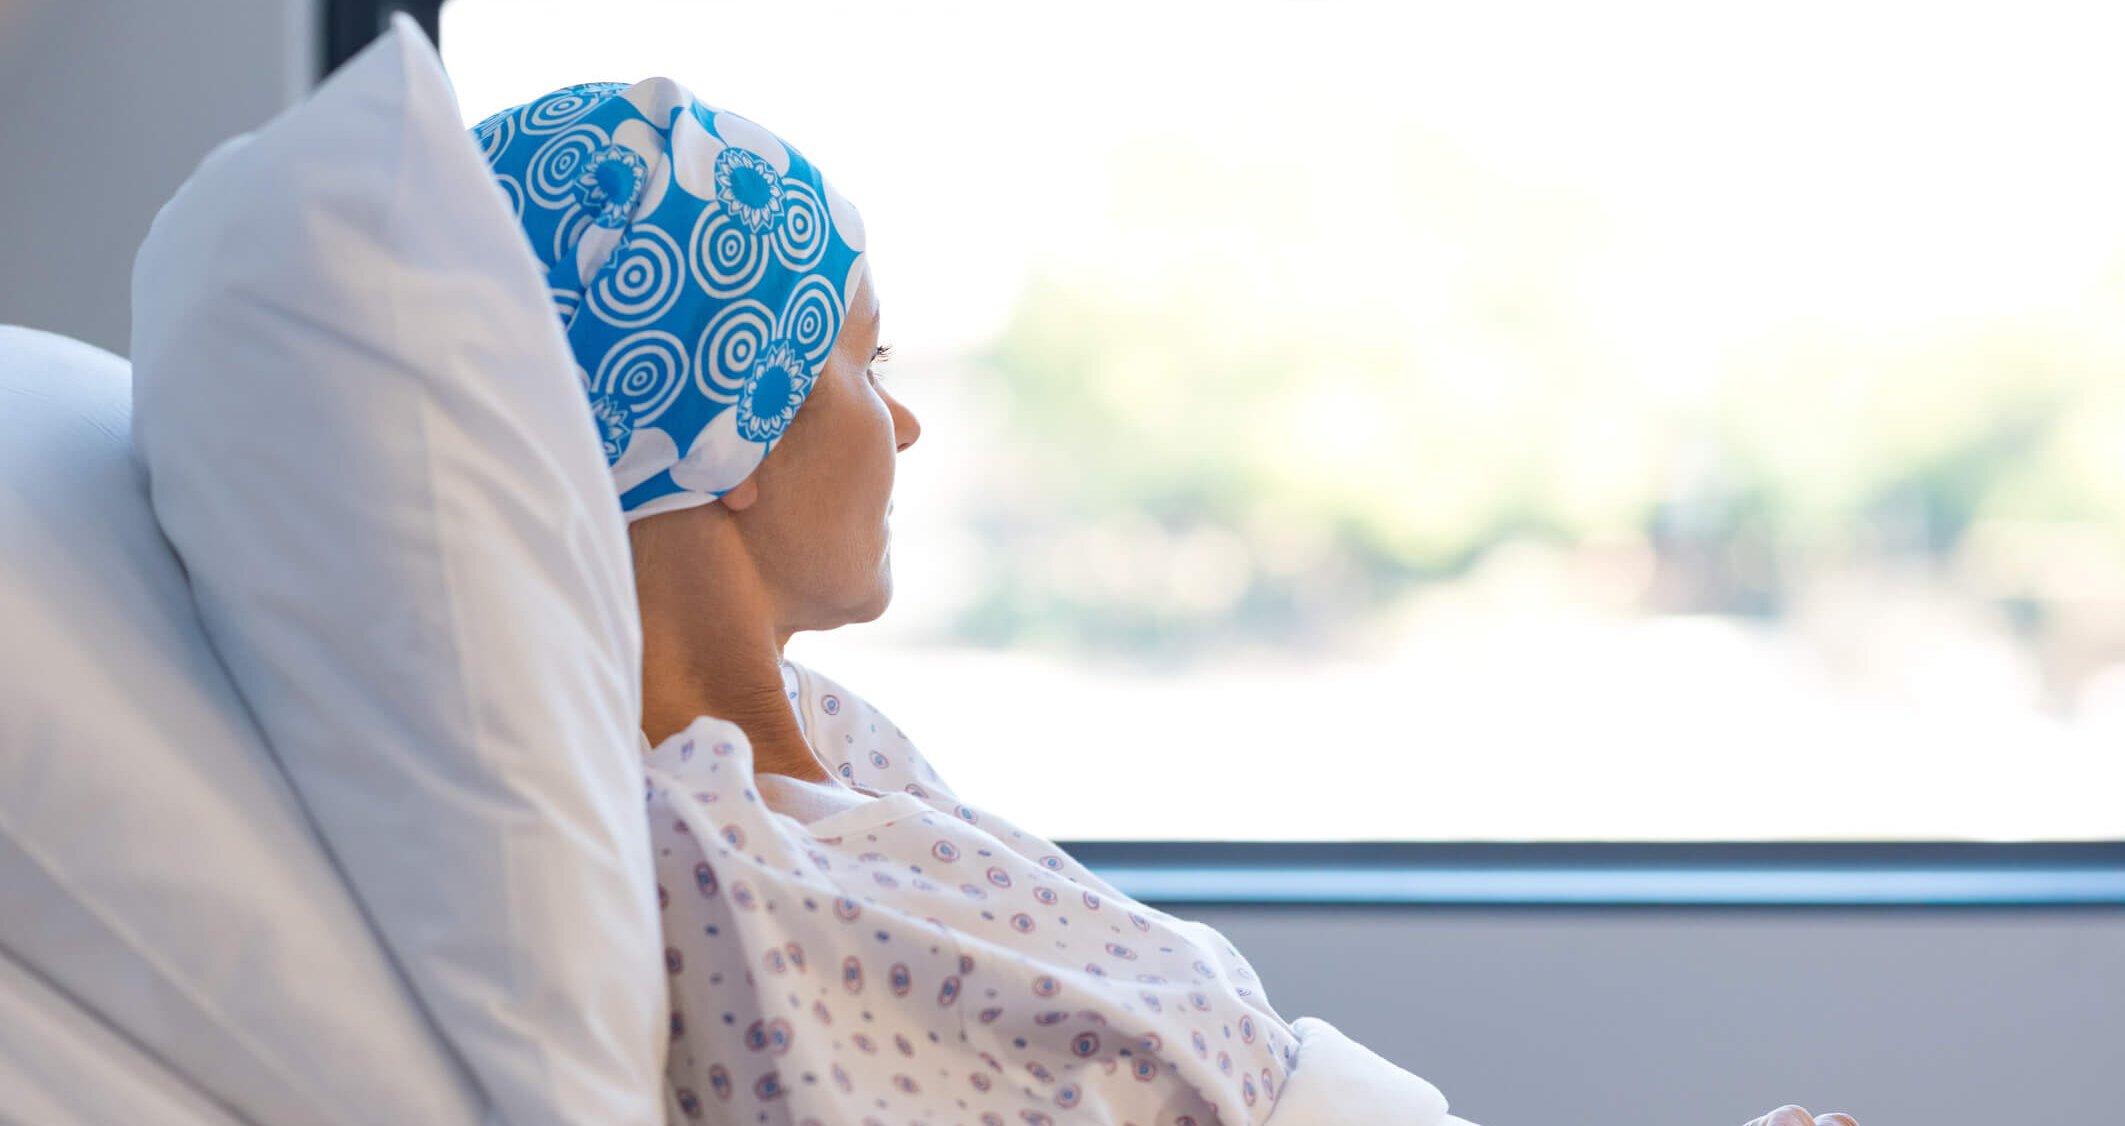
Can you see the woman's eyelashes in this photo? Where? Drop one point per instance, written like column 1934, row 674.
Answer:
column 878, row 359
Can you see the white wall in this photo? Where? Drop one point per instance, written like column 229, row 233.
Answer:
column 108, row 106
column 1704, row 1017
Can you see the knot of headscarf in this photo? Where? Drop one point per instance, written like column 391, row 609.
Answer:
column 701, row 268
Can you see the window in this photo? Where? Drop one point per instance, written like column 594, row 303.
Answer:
column 1538, row 421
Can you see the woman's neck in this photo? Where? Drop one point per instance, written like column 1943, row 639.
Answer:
column 678, row 686
column 713, row 648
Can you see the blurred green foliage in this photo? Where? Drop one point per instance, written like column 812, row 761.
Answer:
column 1264, row 407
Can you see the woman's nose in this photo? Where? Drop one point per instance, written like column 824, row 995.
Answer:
column 906, row 427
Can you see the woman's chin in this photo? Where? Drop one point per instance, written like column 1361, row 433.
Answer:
column 871, row 605
column 882, row 595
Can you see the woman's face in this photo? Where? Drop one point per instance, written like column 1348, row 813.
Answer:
column 817, row 526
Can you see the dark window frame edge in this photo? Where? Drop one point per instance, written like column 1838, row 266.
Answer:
column 350, row 25
column 1611, row 874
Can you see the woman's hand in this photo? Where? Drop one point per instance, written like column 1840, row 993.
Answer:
column 1795, row 1116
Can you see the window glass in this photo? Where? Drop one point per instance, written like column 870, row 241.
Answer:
column 1639, row 420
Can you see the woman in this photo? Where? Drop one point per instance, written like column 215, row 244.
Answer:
column 848, row 941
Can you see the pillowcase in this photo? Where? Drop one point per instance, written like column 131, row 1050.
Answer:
column 154, row 866
column 365, row 438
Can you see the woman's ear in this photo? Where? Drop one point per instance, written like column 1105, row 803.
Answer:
column 742, row 495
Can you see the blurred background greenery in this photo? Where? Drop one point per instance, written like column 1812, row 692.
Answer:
column 1233, row 426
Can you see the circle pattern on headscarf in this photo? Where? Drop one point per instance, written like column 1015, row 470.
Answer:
column 494, row 134
column 646, row 372
column 642, row 279
column 729, row 259
column 561, row 160
column 730, row 347
column 563, row 106
column 812, row 319
column 801, row 238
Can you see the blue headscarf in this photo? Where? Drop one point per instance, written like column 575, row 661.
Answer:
column 701, row 268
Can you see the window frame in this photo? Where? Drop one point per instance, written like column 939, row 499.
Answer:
column 1614, row 873
column 350, row 25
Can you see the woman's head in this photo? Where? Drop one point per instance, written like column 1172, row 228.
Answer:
column 711, row 284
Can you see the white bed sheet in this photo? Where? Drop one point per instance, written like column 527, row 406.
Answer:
column 60, row 1065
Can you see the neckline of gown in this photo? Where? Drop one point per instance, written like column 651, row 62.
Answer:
column 874, row 808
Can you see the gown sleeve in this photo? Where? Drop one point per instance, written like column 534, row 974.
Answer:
column 1337, row 1081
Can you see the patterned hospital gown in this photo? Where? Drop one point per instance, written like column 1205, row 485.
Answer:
column 915, row 960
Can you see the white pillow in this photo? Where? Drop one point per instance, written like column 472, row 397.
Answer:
column 365, row 438
column 154, row 866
